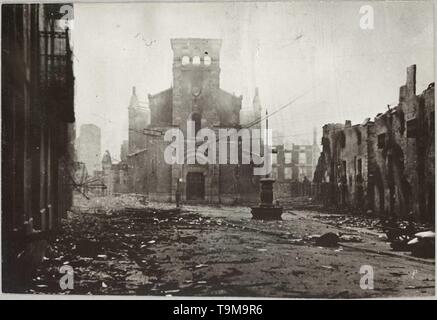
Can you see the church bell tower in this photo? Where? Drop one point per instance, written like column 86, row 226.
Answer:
column 196, row 76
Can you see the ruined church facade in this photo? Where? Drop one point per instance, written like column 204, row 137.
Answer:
column 195, row 95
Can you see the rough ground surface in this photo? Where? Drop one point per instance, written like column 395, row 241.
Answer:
column 211, row 251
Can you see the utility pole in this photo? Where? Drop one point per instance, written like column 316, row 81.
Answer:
column 266, row 156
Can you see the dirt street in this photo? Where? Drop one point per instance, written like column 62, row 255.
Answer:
column 212, row 251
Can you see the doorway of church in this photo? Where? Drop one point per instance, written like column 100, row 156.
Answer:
column 195, row 186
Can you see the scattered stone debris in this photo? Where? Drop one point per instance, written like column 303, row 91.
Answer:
column 109, row 204
column 383, row 237
column 329, row 239
column 108, row 260
column 423, row 245
column 402, row 234
column 343, row 220
column 349, row 238
column 132, row 252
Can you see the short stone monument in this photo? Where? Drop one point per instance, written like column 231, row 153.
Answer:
column 266, row 209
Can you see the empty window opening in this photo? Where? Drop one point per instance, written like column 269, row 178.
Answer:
column 196, row 60
column 359, row 137
column 381, row 141
column 287, row 156
column 343, row 168
column 207, row 60
column 412, row 128
column 185, row 60
column 302, row 157
column 274, row 158
column 342, row 139
column 197, row 122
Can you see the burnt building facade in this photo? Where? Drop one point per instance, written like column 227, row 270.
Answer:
column 196, row 96
column 386, row 165
column 37, row 134
column 293, row 168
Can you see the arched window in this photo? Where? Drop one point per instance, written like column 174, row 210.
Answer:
column 207, row 60
column 197, row 122
column 196, row 60
column 185, row 60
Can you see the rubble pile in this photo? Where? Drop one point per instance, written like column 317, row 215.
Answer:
column 331, row 239
column 351, row 221
column 110, row 203
column 423, row 244
column 116, row 255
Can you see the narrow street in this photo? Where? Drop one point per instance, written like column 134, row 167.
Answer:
column 221, row 251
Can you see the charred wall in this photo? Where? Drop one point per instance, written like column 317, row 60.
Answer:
column 37, row 132
column 395, row 173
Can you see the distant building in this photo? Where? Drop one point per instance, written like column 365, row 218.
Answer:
column 89, row 146
column 252, row 116
column 114, row 176
column 124, row 150
column 139, row 119
column 293, row 166
column 296, row 163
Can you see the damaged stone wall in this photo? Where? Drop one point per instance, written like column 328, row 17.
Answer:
column 385, row 166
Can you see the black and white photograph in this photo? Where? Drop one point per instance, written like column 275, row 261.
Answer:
column 218, row 149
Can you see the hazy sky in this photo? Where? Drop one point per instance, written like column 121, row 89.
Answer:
column 287, row 49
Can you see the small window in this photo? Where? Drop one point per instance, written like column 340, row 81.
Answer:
column 274, row 158
column 196, row 60
column 287, row 156
column 360, row 167
column 287, row 173
column 342, row 139
column 309, row 157
column 302, row 157
column 344, row 167
column 153, row 166
column 359, row 137
column 381, row 141
column 185, row 60
column 197, row 122
column 412, row 128
column 207, row 60
column 401, row 121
